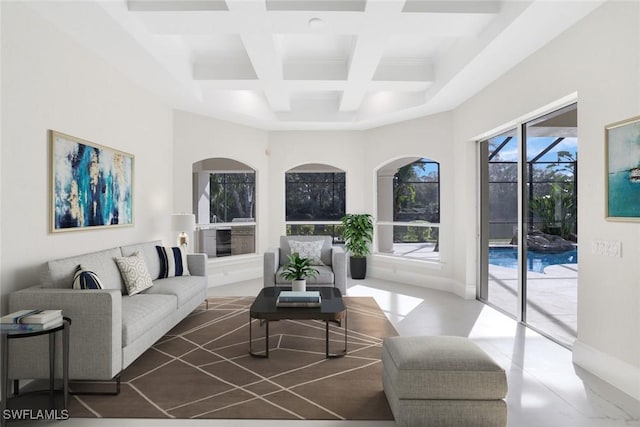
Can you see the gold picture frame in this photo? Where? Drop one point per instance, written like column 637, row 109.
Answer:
column 622, row 163
column 91, row 185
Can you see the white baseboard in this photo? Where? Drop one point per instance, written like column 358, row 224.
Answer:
column 223, row 271
column 620, row 374
column 421, row 279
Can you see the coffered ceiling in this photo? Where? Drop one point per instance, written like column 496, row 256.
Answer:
column 314, row 64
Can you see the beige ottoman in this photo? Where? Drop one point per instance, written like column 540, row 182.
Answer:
column 442, row 381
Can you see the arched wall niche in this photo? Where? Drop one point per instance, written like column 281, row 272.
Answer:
column 408, row 228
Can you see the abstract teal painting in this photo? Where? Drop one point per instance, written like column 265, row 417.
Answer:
column 623, row 170
column 92, row 185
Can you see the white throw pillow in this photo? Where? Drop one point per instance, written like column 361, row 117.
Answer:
column 311, row 249
column 134, row 273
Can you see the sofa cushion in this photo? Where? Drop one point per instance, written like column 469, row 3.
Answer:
column 134, row 273
column 59, row 273
column 325, row 252
column 140, row 313
column 441, row 367
column 183, row 288
column 311, row 250
column 173, row 261
column 86, row 279
column 149, row 253
column 325, row 277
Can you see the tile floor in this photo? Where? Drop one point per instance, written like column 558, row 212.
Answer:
column 552, row 297
column 545, row 388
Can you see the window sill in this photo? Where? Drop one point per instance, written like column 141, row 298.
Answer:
column 401, row 260
column 234, row 259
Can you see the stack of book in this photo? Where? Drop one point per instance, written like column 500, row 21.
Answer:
column 31, row 320
column 298, row 299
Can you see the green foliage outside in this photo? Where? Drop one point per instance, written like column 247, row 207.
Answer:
column 557, row 211
column 552, row 195
column 333, row 230
column 231, row 195
column 314, row 196
column 415, row 234
column 555, row 206
column 416, row 189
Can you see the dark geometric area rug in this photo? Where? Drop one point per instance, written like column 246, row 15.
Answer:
column 202, row 369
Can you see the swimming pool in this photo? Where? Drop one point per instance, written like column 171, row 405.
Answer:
column 536, row 261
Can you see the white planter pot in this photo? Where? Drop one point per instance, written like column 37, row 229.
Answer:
column 299, row 285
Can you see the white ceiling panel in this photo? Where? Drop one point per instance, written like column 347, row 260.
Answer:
column 215, row 47
column 315, row 46
column 411, row 46
column 314, row 64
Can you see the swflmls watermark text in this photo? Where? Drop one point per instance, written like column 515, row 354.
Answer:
column 36, row 414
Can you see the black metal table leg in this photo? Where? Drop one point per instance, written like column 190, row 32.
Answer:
column 326, row 338
column 4, row 378
column 266, row 340
column 266, row 353
column 342, row 352
column 52, row 367
column 65, row 364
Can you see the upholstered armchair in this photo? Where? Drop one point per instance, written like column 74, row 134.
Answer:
column 333, row 271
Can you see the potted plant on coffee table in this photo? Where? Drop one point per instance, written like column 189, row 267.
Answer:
column 297, row 269
column 358, row 235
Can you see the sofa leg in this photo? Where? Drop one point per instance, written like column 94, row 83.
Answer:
column 98, row 393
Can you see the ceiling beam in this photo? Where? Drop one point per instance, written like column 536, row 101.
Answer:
column 400, row 69
column 175, row 5
column 317, row 5
column 315, row 69
column 223, row 71
column 368, row 51
column 265, row 56
column 448, row 6
column 207, row 22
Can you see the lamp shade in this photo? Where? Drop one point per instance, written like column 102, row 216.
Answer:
column 183, row 222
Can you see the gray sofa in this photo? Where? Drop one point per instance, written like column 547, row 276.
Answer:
column 110, row 329
column 333, row 273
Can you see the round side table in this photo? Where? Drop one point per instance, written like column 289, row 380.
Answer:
column 6, row 336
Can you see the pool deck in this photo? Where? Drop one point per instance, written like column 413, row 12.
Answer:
column 552, row 295
column 552, row 298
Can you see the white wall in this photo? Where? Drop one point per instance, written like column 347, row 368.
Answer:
column 429, row 137
column 1, row 180
column 198, row 138
column 358, row 153
column 51, row 82
column 343, row 150
column 599, row 59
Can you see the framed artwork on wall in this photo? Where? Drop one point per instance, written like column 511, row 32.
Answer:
column 91, row 185
column 623, row 170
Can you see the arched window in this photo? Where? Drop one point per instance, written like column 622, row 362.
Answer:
column 224, row 201
column 315, row 200
column 409, row 208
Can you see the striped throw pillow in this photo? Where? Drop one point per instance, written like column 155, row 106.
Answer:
column 173, row 262
column 85, row 279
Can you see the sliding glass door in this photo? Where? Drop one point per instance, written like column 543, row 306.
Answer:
column 551, row 211
column 528, row 217
column 499, row 217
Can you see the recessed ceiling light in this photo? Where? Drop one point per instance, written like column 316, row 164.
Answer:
column 316, row 23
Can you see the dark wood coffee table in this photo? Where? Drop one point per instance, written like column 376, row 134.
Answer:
column 332, row 309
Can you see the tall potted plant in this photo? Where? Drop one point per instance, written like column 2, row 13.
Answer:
column 297, row 269
column 358, row 235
